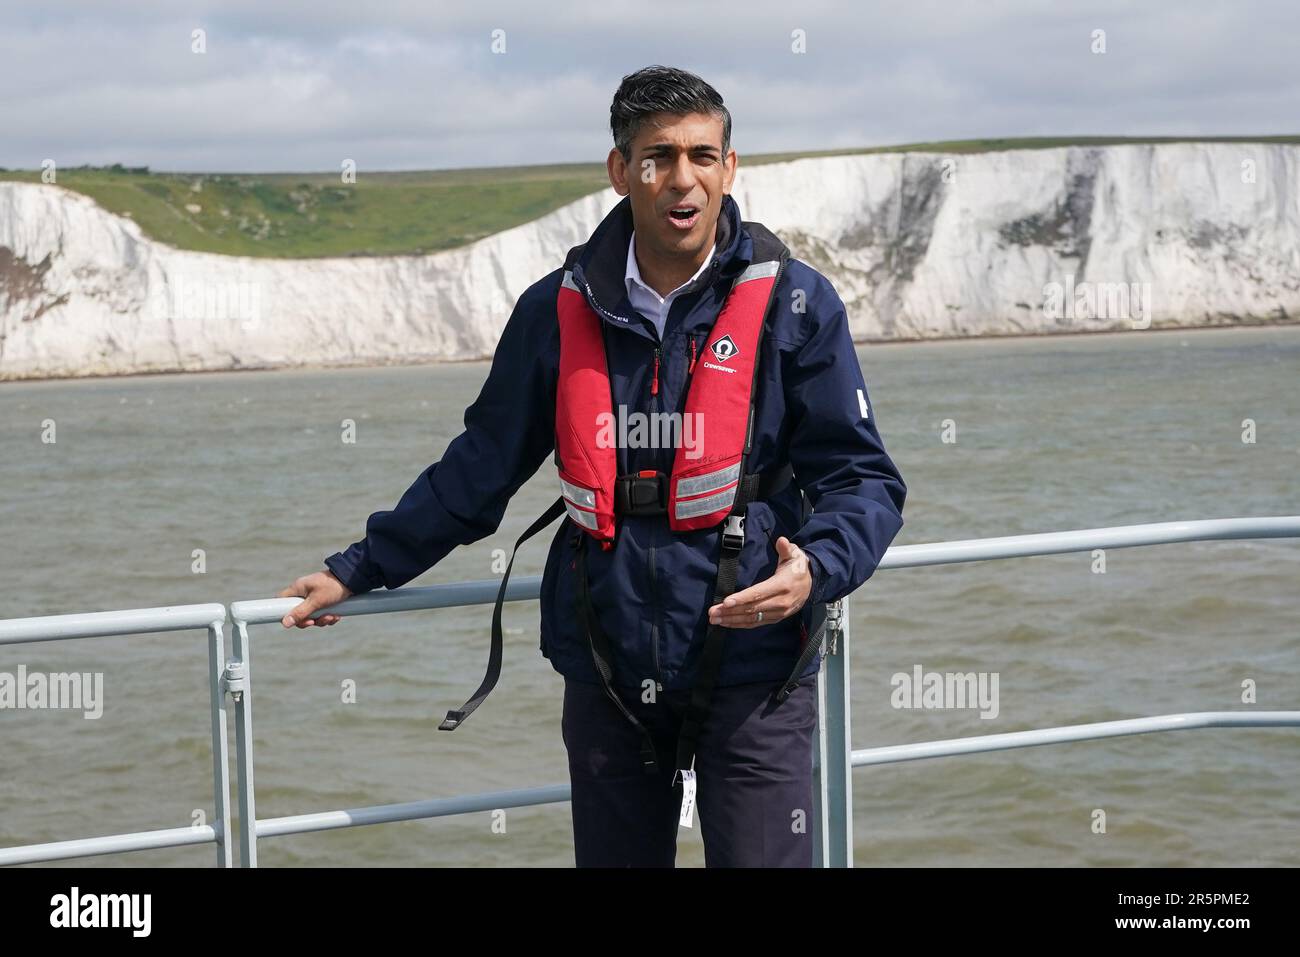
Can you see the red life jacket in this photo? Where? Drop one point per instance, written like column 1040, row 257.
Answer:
column 702, row 485
column 702, row 491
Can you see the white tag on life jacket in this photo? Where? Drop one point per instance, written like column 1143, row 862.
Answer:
column 688, row 798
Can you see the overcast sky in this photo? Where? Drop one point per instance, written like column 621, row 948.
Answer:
column 286, row 85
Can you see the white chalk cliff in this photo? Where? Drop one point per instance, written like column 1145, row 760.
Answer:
column 919, row 245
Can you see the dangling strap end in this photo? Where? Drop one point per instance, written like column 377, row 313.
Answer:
column 649, row 762
column 452, row 721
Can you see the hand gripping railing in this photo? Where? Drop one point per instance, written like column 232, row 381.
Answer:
column 140, row 621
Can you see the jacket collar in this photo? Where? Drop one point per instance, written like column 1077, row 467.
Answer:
column 601, row 269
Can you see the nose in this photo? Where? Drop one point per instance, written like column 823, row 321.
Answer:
column 682, row 175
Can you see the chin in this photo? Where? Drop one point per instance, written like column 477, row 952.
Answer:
column 698, row 238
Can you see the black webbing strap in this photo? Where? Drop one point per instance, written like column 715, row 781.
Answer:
column 711, row 655
column 648, row 494
column 773, row 481
column 810, row 648
column 455, row 718
column 813, row 642
column 602, row 654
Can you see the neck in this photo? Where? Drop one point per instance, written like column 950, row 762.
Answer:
column 664, row 274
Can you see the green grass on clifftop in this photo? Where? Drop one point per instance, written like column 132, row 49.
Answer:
column 296, row 215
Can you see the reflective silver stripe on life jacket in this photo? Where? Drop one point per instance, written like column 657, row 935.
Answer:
column 702, row 506
column 579, row 495
column 585, row 519
column 568, row 281
column 699, row 484
column 758, row 271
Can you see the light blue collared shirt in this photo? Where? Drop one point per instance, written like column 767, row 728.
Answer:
column 644, row 299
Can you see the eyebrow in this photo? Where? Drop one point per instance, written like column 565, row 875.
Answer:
column 697, row 148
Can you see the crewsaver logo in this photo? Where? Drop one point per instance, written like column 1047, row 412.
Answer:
column 724, row 348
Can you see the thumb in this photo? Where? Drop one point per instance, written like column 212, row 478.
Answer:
column 786, row 549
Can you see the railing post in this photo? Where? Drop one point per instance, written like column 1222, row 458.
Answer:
column 209, row 617
column 833, row 771
column 239, row 683
column 220, row 752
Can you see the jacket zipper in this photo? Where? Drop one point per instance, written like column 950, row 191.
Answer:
column 654, row 622
column 654, row 585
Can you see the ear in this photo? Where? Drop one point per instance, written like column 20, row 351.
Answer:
column 730, row 163
column 616, row 167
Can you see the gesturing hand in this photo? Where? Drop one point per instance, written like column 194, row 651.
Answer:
column 778, row 597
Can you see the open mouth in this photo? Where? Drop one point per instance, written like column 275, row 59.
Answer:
column 683, row 217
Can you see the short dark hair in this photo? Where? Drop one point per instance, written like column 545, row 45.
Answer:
column 662, row 89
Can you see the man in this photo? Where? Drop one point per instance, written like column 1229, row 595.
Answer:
column 682, row 594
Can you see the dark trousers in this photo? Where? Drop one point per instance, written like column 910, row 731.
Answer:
column 753, row 770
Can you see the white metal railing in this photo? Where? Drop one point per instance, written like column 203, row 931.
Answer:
column 980, row 744
column 141, row 621
column 834, row 757
column 266, row 611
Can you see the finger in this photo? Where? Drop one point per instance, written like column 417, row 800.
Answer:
column 734, row 619
column 321, row 621
column 754, row 594
column 749, row 619
column 746, row 615
column 301, row 614
column 291, row 592
column 723, row 614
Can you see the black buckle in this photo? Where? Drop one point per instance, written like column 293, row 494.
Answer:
column 641, row 494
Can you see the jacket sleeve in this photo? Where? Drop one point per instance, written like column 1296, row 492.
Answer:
column 509, row 431
column 838, row 456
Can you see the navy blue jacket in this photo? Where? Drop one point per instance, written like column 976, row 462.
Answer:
column 653, row 590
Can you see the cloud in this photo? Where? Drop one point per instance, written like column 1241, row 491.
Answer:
column 299, row 86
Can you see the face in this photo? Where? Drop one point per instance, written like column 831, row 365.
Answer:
column 677, row 164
